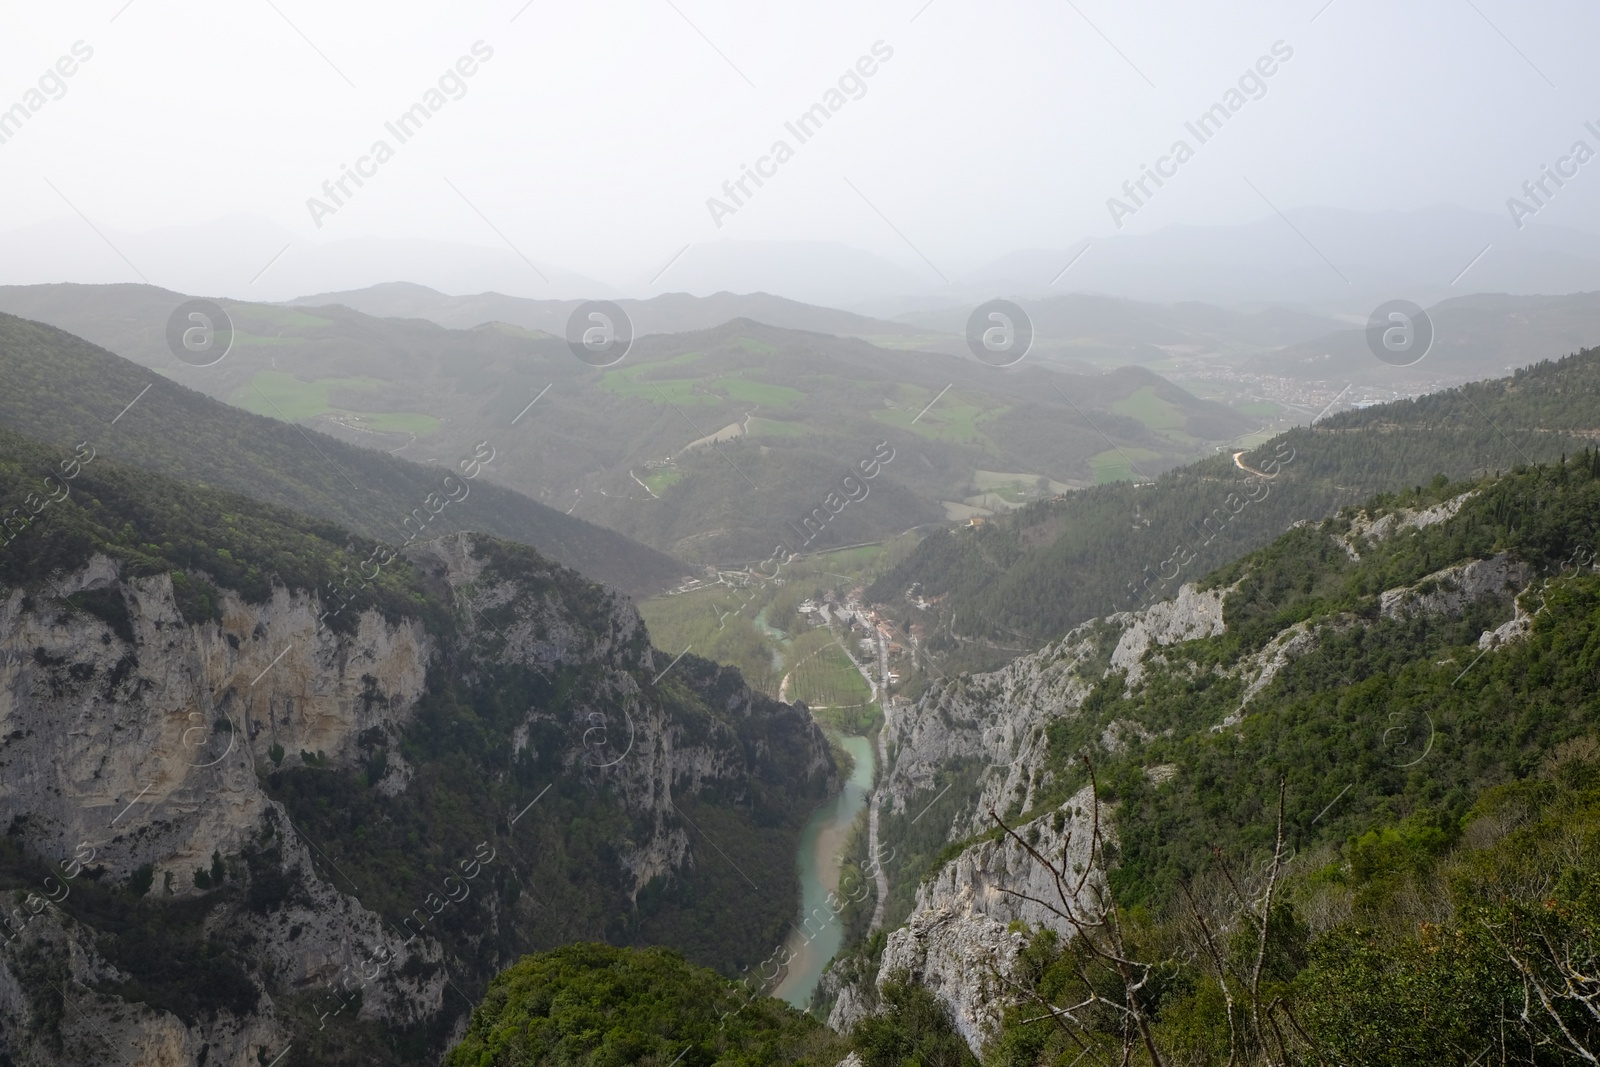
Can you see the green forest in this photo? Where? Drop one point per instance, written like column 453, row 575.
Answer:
column 1023, row 579
column 1422, row 809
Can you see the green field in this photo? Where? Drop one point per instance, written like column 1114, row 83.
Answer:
column 661, row 480
column 398, row 421
column 260, row 318
column 1012, row 494
column 1259, row 408
column 275, row 393
column 1144, row 405
column 630, row 382
column 855, row 562
column 625, row 381
column 827, row 679
column 1113, row 465
column 763, row 393
column 278, row 395
column 718, row 623
column 759, row 348
column 760, row 427
column 951, row 419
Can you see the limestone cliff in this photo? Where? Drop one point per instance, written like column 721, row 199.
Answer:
column 978, row 743
column 972, row 918
column 143, row 754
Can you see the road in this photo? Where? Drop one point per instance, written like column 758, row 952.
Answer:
column 1237, row 462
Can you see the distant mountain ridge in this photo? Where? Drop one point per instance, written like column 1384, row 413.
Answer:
column 1484, row 334
column 1321, row 257
column 1339, row 260
column 792, row 410
column 61, row 389
column 667, row 313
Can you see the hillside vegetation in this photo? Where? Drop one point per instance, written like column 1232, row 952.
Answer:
column 63, row 390
column 599, row 1006
column 626, row 446
column 1023, row 579
column 495, row 729
column 1359, row 823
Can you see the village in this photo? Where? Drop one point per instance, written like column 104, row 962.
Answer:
column 884, row 650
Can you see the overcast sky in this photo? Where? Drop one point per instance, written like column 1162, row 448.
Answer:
column 595, row 134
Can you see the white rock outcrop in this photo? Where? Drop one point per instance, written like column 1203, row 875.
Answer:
column 1451, row 590
column 973, row 917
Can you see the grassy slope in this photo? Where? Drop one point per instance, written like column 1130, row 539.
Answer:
column 824, row 401
column 62, row 390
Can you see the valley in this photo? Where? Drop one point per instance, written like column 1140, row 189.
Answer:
column 796, row 764
column 777, row 535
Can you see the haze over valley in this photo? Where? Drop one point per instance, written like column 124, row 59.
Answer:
column 684, row 534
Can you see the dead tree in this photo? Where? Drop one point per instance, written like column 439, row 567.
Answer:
column 1093, row 919
column 1088, row 906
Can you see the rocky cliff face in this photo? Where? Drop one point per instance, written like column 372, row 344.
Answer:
column 957, row 938
column 136, row 755
column 973, row 916
column 132, row 745
column 998, row 720
column 147, row 747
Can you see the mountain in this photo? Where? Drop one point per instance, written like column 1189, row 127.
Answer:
column 248, row 256
column 1026, row 578
column 812, row 272
column 1473, row 336
column 667, row 313
column 1337, row 801
column 714, row 445
column 252, row 257
column 276, row 793
column 1111, row 330
column 1425, row 255
column 63, row 390
column 1311, row 256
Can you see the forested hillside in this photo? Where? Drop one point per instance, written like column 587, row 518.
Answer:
column 318, row 748
column 1018, row 581
column 1350, row 817
column 62, row 390
column 1355, row 819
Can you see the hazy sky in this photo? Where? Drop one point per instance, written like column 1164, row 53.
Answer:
column 595, row 133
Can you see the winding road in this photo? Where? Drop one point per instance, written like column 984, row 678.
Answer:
column 1237, row 462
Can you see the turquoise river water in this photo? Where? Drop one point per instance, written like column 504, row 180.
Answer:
column 821, row 847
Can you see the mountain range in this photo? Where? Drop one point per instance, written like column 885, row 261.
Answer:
column 285, row 776
column 709, row 445
column 1025, row 578
column 62, row 390
column 1319, row 258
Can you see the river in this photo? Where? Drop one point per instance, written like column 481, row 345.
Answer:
column 821, row 844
